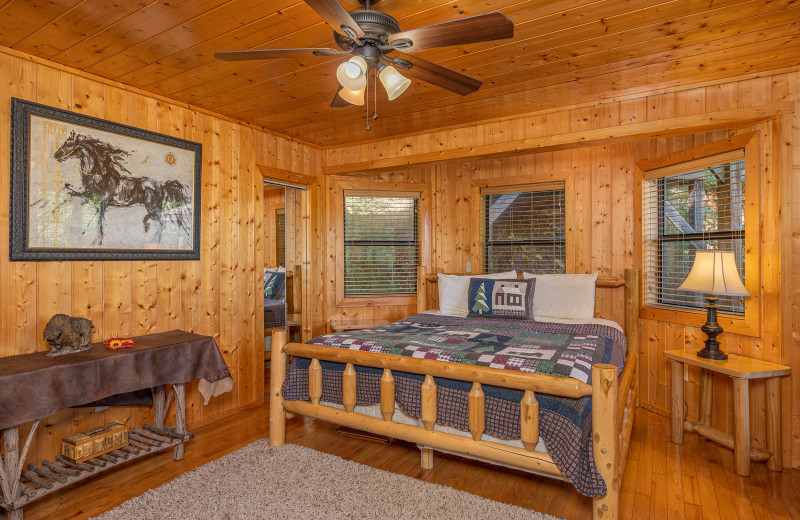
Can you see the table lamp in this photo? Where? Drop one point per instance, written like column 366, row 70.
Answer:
column 714, row 273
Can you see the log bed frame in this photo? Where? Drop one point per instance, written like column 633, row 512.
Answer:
column 614, row 399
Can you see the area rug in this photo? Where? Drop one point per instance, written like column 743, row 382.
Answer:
column 293, row 482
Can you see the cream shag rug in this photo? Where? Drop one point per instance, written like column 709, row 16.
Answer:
column 294, row 482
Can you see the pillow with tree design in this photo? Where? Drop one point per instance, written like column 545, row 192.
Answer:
column 512, row 298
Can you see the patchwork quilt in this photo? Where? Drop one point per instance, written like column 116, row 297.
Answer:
column 564, row 350
column 274, row 313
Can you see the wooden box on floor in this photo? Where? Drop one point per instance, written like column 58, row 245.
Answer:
column 82, row 446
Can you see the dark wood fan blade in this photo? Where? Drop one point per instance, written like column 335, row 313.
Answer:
column 269, row 54
column 338, row 101
column 440, row 76
column 481, row 28
column 337, row 16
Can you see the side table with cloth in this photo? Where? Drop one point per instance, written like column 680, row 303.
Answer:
column 34, row 386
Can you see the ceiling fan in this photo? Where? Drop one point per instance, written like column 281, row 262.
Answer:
column 371, row 36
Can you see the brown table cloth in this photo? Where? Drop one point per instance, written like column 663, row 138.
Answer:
column 33, row 386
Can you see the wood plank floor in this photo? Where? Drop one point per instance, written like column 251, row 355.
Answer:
column 662, row 480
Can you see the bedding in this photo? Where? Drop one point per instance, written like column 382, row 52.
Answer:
column 453, row 291
column 564, row 295
column 274, row 313
column 501, row 298
column 560, row 349
column 274, row 297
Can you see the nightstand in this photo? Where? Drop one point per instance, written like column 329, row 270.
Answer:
column 341, row 325
column 741, row 370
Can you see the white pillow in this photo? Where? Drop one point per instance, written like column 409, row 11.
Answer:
column 274, row 269
column 564, row 295
column 454, row 289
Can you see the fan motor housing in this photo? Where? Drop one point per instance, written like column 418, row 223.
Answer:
column 377, row 27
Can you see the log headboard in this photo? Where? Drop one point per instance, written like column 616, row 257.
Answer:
column 428, row 296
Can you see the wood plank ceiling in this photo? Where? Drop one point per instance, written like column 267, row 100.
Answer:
column 564, row 52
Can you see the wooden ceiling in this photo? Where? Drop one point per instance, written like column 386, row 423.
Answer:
column 564, row 52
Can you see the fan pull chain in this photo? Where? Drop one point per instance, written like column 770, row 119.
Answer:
column 366, row 103
column 375, row 94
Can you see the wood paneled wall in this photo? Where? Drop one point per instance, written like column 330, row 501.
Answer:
column 600, row 213
column 274, row 199
column 218, row 295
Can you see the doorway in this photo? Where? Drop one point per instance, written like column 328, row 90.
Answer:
column 284, row 262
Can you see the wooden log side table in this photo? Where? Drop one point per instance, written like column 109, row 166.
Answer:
column 356, row 324
column 741, row 370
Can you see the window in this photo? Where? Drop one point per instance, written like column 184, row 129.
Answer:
column 381, row 250
column 524, row 228
column 689, row 207
column 280, row 236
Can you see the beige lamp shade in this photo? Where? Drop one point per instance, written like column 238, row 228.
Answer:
column 714, row 272
column 354, row 97
column 352, row 74
column 394, row 82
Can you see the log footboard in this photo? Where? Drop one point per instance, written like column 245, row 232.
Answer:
column 611, row 433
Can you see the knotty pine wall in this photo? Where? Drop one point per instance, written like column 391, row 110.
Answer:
column 600, row 212
column 219, row 295
column 274, row 199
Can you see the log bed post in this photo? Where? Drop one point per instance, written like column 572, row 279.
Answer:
column 428, row 413
column 422, row 289
column 605, row 438
column 277, row 413
column 632, row 336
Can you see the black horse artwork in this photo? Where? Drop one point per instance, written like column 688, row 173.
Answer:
column 106, row 183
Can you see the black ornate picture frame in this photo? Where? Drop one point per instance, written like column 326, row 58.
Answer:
column 83, row 188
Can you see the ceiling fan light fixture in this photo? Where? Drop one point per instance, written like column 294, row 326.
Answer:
column 394, row 82
column 354, row 97
column 352, row 74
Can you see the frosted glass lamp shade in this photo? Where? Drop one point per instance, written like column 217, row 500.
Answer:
column 352, row 74
column 354, row 97
column 394, row 82
column 714, row 272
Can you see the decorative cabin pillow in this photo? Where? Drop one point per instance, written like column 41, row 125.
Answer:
column 563, row 295
column 511, row 298
column 273, row 285
column 454, row 291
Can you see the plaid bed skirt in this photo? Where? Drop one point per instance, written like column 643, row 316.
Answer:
column 569, row 445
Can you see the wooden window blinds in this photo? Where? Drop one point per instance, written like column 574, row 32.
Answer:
column 524, row 228
column 688, row 207
column 381, row 246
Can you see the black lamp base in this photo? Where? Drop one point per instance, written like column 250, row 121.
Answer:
column 712, row 330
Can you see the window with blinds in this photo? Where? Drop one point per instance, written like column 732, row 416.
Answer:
column 381, row 250
column 280, row 236
column 524, row 228
column 686, row 208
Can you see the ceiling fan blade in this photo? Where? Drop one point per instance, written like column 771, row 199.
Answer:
column 337, row 16
column 481, row 28
column 338, row 101
column 272, row 54
column 434, row 74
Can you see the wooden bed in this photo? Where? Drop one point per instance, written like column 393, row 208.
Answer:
column 614, row 399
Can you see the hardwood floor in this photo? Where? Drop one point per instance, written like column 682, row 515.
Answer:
column 662, row 480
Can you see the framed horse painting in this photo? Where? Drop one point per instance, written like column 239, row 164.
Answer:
column 84, row 188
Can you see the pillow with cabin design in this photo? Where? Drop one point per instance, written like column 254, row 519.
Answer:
column 510, row 298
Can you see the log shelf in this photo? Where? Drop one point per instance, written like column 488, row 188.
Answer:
column 19, row 486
